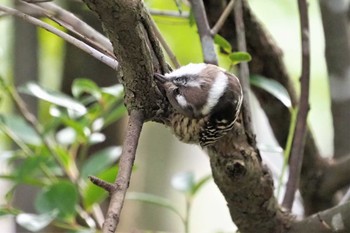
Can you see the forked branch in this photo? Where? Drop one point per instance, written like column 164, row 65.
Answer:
column 118, row 189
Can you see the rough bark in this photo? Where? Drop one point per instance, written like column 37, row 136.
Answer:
column 263, row 48
column 236, row 166
column 246, row 185
column 137, row 51
column 330, row 220
column 134, row 52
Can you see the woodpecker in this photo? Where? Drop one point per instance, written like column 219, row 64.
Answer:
column 206, row 99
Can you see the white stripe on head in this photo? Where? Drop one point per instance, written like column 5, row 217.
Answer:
column 215, row 92
column 190, row 69
column 181, row 100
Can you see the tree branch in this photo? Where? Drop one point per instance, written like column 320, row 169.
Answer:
column 204, row 32
column 236, row 173
column 331, row 220
column 164, row 44
column 86, row 48
column 77, row 26
column 244, row 72
column 297, row 152
column 222, row 18
column 246, row 185
column 122, row 181
column 263, row 48
column 101, row 183
column 168, row 13
column 236, row 165
column 140, row 56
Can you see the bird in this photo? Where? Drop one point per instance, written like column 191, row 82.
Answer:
column 206, row 101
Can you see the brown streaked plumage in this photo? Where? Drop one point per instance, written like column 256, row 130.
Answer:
column 207, row 101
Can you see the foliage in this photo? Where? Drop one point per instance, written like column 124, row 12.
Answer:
column 226, row 48
column 52, row 154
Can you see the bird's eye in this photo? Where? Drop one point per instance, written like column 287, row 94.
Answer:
column 180, row 80
column 176, row 91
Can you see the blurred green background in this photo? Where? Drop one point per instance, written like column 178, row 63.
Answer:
column 280, row 18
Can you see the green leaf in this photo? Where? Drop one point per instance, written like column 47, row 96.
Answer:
column 237, row 57
column 100, row 161
column 155, row 200
column 34, row 222
column 81, row 86
column 93, row 194
column 80, row 127
column 197, row 186
column 183, row 181
column 273, row 87
column 53, row 97
column 29, row 169
column 223, row 43
column 21, row 129
column 61, row 196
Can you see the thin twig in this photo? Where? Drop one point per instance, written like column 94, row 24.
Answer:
column 168, row 13
column 244, row 72
column 205, row 35
column 222, row 18
column 121, row 183
column 297, row 151
column 164, row 44
column 86, row 48
column 103, row 184
column 77, row 26
column 154, row 43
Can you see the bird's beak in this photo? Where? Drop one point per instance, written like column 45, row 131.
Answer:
column 160, row 78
